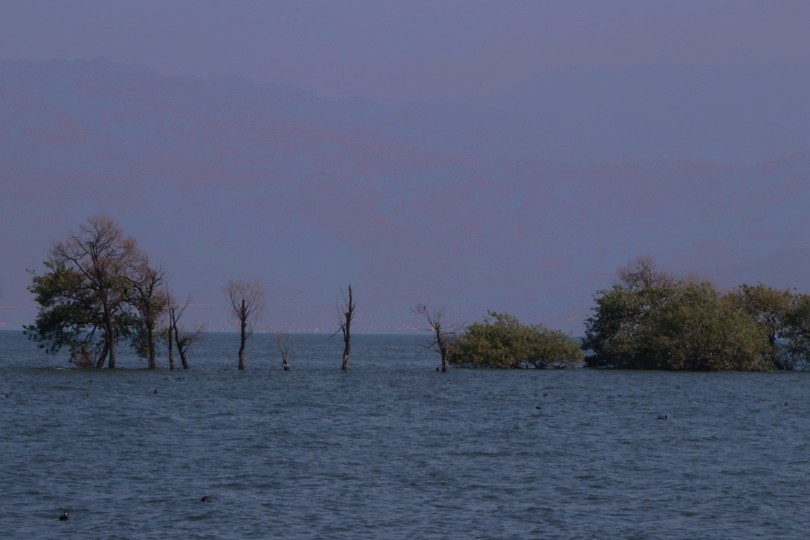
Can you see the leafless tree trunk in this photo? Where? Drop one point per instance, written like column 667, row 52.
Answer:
column 284, row 344
column 441, row 338
column 170, row 344
column 345, row 326
column 103, row 356
column 183, row 340
column 246, row 300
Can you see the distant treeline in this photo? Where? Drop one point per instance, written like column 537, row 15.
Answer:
column 99, row 289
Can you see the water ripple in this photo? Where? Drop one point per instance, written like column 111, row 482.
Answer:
column 394, row 450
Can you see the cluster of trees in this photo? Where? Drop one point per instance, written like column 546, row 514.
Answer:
column 650, row 320
column 99, row 289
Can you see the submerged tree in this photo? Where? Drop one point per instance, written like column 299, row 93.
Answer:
column 769, row 308
column 182, row 339
column 622, row 312
column 501, row 341
column 699, row 329
column 284, row 343
column 687, row 324
column 150, row 301
column 246, row 301
column 85, row 292
column 797, row 333
column 345, row 318
column 168, row 335
column 441, row 337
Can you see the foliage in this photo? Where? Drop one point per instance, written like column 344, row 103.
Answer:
column 67, row 315
column 796, row 334
column 501, row 341
column 698, row 330
column 662, row 323
column 150, row 302
column 769, row 308
column 88, row 295
column 623, row 313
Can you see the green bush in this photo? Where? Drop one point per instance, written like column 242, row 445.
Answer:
column 501, row 341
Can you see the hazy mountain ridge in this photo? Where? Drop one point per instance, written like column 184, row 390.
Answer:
column 222, row 179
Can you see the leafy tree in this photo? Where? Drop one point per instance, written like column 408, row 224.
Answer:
column 797, row 334
column 501, row 341
column 699, row 330
column 769, row 308
column 84, row 293
column 67, row 315
column 656, row 322
column 622, row 312
column 150, row 301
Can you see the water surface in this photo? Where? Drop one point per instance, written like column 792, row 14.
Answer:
column 393, row 449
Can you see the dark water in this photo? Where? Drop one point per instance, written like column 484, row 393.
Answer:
column 393, row 449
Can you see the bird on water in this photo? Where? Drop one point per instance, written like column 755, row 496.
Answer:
column 64, row 516
column 206, row 498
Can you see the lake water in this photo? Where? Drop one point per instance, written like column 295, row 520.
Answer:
column 393, row 449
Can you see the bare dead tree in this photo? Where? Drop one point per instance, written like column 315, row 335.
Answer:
column 247, row 301
column 643, row 273
column 345, row 318
column 284, row 343
column 169, row 336
column 441, row 337
column 183, row 340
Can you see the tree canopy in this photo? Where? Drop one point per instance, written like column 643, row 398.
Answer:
column 501, row 341
column 651, row 321
column 97, row 289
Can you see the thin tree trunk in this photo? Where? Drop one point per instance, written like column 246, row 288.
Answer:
column 183, row 359
column 171, row 349
column 440, row 341
column 150, row 337
column 180, row 344
column 243, row 338
column 103, row 356
column 347, row 348
column 109, row 331
column 346, row 327
column 181, row 348
column 111, row 361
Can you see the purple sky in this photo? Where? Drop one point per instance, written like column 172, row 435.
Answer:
column 395, row 51
column 702, row 167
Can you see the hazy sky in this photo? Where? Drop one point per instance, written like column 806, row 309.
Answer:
column 404, row 50
column 410, row 50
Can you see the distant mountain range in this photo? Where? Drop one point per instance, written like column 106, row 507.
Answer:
column 527, row 203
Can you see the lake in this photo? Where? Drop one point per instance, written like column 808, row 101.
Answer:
column 393, row 449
